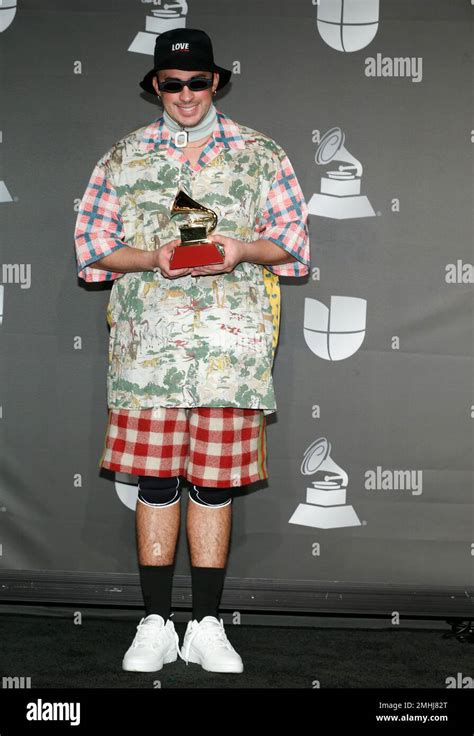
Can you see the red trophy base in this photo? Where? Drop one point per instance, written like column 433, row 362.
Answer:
column 201, row 254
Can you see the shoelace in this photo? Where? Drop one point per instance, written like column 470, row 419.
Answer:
column 214, row 635
column 146, row 631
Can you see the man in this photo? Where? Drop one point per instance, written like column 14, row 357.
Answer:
column 191, row 350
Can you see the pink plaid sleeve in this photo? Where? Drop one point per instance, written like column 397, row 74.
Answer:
column 98, row 230
column 284, row 221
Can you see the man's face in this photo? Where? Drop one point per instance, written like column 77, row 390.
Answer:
column 186, row 107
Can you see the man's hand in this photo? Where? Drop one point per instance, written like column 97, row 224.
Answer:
column 234, row 254
column 162, row 260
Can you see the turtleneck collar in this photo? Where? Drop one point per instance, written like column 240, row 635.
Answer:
column 182, row 135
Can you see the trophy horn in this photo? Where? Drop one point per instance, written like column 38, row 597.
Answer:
column 195, row 248
column 184, row 204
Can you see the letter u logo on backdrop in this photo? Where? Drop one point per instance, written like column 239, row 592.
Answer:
column 7, row 13
column 348, row 25
column 337, row 332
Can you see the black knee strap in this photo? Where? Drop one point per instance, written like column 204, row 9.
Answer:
column 158, row 492
column 211, row 497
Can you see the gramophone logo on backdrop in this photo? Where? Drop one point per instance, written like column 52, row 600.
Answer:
column 347, row 25
column 7, row 13
column 5, row 195
column 126, row 487
column 325, row 506
column 164, row 17
column 337, row 332
column 340, row 197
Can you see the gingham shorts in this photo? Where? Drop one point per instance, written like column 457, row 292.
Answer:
column 210, row 446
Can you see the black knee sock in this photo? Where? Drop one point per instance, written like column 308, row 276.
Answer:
column 156, row 582
column 207, row 585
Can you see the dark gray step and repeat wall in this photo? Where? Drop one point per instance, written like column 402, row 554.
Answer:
column 370, row 453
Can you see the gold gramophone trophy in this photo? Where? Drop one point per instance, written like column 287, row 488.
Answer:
column 195, row 248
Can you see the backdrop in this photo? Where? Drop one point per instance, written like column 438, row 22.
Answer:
column 369, row 503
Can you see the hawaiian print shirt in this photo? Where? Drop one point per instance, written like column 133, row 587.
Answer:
column 192, row 341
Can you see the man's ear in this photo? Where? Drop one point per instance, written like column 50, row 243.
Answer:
column 155, row 84
column 215, row 80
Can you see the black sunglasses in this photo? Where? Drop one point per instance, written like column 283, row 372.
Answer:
column 196, row 84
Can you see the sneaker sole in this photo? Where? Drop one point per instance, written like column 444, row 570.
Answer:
column 138, row 667
column 195, row 659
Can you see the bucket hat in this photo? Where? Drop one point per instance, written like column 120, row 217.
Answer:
column 184, row 48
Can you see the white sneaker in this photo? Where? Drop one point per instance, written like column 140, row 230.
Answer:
column 205, row 643
column 154, row 645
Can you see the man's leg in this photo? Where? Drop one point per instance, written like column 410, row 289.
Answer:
column 224, row 455
column 157, row 526
column 152, row 443
column 208, row 527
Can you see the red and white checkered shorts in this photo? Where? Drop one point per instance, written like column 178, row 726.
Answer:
column 210, row 446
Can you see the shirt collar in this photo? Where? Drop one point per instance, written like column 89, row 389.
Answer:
column 226, row 132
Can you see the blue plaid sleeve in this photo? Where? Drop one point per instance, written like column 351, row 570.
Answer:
column 284, row 221
column 99, row 229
